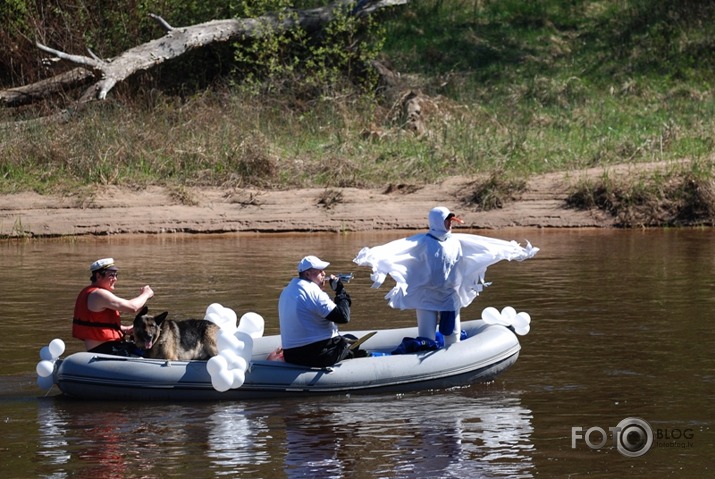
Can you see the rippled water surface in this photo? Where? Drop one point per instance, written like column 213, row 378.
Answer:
column 621, row 328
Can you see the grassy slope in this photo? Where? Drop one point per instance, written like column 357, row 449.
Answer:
column 516, row 88
column 570, row 84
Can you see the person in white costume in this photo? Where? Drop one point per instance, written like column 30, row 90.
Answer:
column 437, row 273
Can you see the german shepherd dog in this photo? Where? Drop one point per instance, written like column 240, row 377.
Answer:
column 163, row 338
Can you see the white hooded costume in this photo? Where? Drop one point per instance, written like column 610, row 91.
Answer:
column 438, row 271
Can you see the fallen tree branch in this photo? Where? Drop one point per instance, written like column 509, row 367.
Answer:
column 33, row 92
column 176, row 42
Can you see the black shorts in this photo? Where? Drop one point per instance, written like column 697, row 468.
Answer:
column 321, row 353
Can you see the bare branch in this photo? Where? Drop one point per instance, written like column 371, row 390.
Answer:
column 178, row 41
column 36, row 91
column 80, row 59
column 163, row 23
column 94, row 55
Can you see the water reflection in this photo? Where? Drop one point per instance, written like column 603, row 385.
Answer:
column 456, row 434
column 92, row 443
column 453, row 434
column 447, row 435
column 54, row 445
column 236, row 440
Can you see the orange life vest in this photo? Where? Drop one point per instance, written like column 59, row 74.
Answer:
column 102, row 326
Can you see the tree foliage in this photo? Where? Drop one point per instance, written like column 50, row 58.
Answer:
column 307, row 62
column 108, row 28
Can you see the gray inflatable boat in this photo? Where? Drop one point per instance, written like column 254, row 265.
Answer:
column 488, row 350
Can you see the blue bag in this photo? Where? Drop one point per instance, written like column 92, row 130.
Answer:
column 414, row 345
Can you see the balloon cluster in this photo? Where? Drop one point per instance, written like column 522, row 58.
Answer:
column 520, row 322
column 46, row 366
column 235, row 346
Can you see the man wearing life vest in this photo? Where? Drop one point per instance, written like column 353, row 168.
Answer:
column 97, row 311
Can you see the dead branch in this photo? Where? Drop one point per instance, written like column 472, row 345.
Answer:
column 45, row 88
column 176, row 42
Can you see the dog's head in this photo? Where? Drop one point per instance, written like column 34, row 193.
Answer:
column 147, row 329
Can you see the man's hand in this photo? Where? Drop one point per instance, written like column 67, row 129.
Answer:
column 335, row 284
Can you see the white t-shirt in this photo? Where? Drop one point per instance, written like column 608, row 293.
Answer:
column 302, row 309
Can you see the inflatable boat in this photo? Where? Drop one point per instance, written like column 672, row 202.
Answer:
column 487, row 351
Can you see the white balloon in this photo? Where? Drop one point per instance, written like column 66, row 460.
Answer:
column 253, row 324
column 225, row 318
column 247, row 351
column 233, row 360
column 214, row 318
column 521, row 324
column 241, row 363
column 226, row 340
column 45, row 368
column 57, row 347
column 229, row 328
column 246, row 356
column 45, row 382
column 246, row 338
column 230, row 316
column 491, row 315
column 222, row 381
column 522, row 330
column 508, row 314
column 525, row 317
column 214, row 308
column 239, row 377
column 45, row 353
column 215, row 364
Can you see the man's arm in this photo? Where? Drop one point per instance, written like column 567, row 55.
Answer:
column 341, row 313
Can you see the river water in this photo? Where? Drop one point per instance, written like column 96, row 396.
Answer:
column 621, row 331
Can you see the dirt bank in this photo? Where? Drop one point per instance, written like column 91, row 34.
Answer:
column 115, row 210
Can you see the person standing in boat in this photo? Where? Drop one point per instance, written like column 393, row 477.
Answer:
column 309, row 318
column 97, row 311
column 438, row 273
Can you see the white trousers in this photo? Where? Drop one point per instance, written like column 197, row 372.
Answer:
column 427, row 325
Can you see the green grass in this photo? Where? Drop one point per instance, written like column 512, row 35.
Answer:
column 512, row 87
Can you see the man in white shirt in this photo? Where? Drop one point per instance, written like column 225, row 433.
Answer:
column 309, row 318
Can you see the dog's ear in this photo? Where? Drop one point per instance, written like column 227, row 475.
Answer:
column 160, row 318
column 142, row 312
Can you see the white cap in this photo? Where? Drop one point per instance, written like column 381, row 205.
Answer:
column 100, row 264
column 312, row 262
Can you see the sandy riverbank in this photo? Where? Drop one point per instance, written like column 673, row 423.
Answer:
column 114, row 210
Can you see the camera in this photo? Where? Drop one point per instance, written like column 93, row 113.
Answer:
column 340, row 278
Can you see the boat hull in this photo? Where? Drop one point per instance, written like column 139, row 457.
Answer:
column 487, row 352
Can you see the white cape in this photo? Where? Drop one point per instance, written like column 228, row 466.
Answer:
column 460, row 282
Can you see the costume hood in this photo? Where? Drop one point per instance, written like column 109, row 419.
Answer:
column 436, row 223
